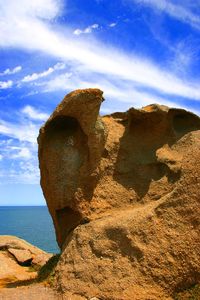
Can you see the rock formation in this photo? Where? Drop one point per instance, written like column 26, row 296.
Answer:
column 123, row 191
column 16, row 256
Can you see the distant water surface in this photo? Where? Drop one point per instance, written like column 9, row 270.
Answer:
column 31, row 223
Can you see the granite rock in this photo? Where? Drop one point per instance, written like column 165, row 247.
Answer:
column 123, row 191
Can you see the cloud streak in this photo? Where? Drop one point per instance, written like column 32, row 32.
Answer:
column 6, row 84
column 18, row 153
column 18, row 146
column 34, row 114
column 178, row 11
column 36, row 76
column 112, row 24
column 25, row 129
column 33, row 33
column 119, row 91
column 11, row 71
column 88, row 29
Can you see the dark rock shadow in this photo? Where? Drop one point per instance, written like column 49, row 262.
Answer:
column 145, row 132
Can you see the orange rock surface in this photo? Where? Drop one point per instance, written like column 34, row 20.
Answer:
column 123, row 191
column 16, row 256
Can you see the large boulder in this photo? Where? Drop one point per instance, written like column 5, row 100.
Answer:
column 70, row 149
column 123, row 191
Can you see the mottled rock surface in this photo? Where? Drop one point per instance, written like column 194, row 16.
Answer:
column 123, row 191
column 70, row 149
column 11, row 272
column 16, row 257
column 31, row 292
column 23, row 257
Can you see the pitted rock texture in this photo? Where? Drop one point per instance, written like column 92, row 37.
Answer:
column 16, row 256
column 70, row 148
column 128, row 183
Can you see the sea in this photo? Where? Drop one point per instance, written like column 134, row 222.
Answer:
column 31, row 223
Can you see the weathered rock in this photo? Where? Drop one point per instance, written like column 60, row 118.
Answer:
column 129, row 183
column 23, row 257
column 12, row 242
column 11, row 272
column 30, row 292
column 15, row 257
column 41, row 259
column 70, row 148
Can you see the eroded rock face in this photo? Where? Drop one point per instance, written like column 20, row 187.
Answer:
column 130, row 184
column 16, row 256
column 70, row 148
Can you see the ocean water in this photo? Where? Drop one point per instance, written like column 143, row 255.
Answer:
column 31, row 223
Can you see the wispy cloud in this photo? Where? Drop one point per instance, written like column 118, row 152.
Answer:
column 26, row 127
column 60, row 82
column 120, row 91
column 36, row 76
column 11, row 71
column 181, row 11
column 183, row 54
column 112, row 24
column 21, row 131
column 6, row 84
column 88, row 29
column 31, row 93
column 23, row 152
column 34, row 114
column 18, row 146
column 21, row 171
column 31, row 32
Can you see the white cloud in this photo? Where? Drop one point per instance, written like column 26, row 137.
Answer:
column 24, row 153
column 180, row 11
column 23, row 132
column 19, row 156
column 18, row 146
column 11, row 71
column 112, row 24
column 17, row 153
column 6, row 84
column 31, row 93
column 42, row 9
column 1, row 157
column 31, row 32
column 34, row 114
column 29, row 172
column 22, row 171
column 60, row 82
column 119, row 91
column 35, row 76
column 88, row 29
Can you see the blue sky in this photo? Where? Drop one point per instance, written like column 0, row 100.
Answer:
column 137, row 51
